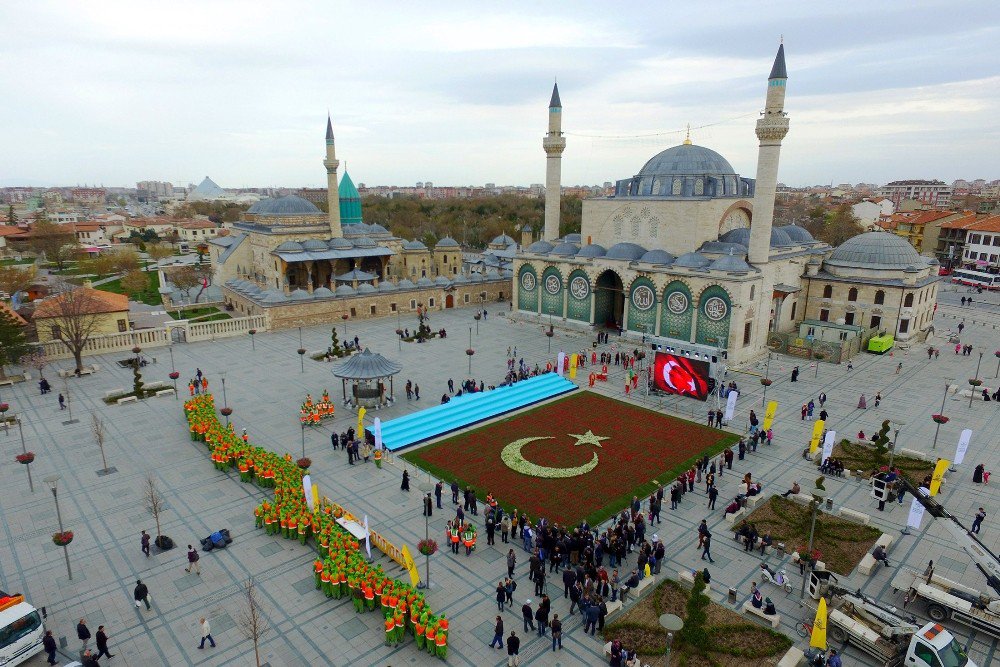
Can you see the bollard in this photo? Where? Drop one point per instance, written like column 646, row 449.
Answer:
column 732, row 595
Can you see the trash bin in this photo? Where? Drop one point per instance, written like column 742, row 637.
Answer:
column 732, row 595
column 819, row 582
column 780, row 548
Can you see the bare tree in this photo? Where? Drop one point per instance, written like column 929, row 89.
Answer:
column 14, row 278
column 185, row 279
column 155, row 504
column 97, row 428
column 159, row 251
column 75, row 314
column 56, row 242
column 135, row 282
column 251, row 618
column 37, row 360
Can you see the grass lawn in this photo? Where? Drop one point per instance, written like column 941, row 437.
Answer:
column 205, row 314
column 12, row 261
column 638, row 450
column 151, row 295
column 841, row 543
column 731, row 638
column 863, row 456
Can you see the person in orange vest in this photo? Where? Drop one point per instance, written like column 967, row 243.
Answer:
column 453, row 534
column 204, row 384
column 191, row 386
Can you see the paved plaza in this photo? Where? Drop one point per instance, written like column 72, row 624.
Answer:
column 265, row 387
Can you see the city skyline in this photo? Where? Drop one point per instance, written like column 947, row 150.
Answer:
column 119, row 93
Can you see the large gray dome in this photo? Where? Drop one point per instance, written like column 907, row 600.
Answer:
column 798, row 234
column 779, row 237
column 540, row 247
column 289, row 205
column 592, row 250
column 625, row 251
column 875, row 250
column 687, row 159
column 566, row 249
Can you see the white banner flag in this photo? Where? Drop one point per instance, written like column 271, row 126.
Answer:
column 378, row 433
column 307, row 488
column 560, row 360
column 963, row 445
column 731, row 405
column 368, row 538
column 828, row 445
column 916, row 514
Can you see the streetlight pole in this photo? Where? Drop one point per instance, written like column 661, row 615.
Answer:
column 53, row 482
column 303, row 427
column 972, row 388
column 943, row 399
column 426, row 487
column 817, row 500
column 24, row 450
column 69, row 404
column 767, row 367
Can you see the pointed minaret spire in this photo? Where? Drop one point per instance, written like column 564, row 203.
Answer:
column 332, row 186
column 554, row 144
column 555, row 102
column 329, row 130
column 778, row 70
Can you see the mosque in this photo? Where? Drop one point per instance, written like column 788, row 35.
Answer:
column 297, row 265
column 684, row 255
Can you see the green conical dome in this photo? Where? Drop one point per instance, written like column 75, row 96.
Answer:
column 350, row 202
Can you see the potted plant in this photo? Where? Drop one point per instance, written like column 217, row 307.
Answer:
column 304, row 462
column 174, row 375
column 939, row 419
column 25, row 458
column 4, row 407
column 62, row 539
column 975, row 382
column 427, row 547
column 226, row 411
column 766, row 382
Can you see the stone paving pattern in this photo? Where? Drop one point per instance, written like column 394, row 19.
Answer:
column 265, row 387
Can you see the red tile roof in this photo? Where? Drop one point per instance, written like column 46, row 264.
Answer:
column 103, row 302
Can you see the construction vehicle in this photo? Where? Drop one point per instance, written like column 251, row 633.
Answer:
column 948, row 599
column 888, row 636
column 21, row 630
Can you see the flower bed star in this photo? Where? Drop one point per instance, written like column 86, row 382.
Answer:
column 580, row 457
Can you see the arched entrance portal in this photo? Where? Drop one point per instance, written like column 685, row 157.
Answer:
column 449, row 301
column 609, row 300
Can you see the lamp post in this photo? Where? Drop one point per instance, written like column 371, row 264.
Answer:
column 672, row 624
column 399, row 331
column 818, row 495
column 470, row 352
column 253, row 345
column 173, row 371
column 69, row 404
column 53, row 482
column 226, row 410
column 426, row 488
column 302, row 353
column 997, row 355
column 943, row 399
column 767, row 377
column 303, row 427
column 972, row 388
column 892, row 450
column 24, row 450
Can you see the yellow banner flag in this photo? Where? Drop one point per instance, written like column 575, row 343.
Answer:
column 361, row 426
column 411, row 567
column 818, row 638
column 772, row 408
column 938, row 475
column 818, row 428
column 315, row 494
column 572, row 366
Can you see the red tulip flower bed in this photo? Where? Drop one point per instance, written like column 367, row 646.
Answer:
column 637, row 446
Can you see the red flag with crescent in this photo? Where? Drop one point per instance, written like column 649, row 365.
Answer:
column 681, row 375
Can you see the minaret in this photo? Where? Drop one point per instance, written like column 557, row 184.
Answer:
column 554, row 144
column 772, row 127
column 332, row 188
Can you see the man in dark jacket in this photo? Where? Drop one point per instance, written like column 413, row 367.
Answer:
column 542, row 616
column 591, row 613
column 49, row 644
column 528, row 616
column 575, row 595
column 83, row 633
column 141, row 594
column 102, row 644
column 498, row 634
column 513, row 647
column 569, row 578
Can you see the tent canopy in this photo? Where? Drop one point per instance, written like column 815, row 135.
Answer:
column 366, row 366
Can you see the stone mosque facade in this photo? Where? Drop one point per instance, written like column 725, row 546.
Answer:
column 684, row 255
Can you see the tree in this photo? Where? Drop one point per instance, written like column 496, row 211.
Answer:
column 35, row 359
column 56, row 242
column 75, row 314
column 135, row 282
column 159, row 251
column 155, row 505
column 121, row 261
column 97, row 428
column 185, row 279
column 694, row 633
column 881, row 443
column 11, row 216
column 14, row 278
column 251, row 618
column 13, row 343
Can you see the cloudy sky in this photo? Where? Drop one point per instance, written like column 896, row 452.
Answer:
column 456, row 93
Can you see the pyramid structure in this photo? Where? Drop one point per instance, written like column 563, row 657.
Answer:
column 207, row 190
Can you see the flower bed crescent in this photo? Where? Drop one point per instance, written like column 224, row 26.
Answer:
column 642, row 446
column 340, row 569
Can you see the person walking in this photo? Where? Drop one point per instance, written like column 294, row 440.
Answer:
column 83, row 633
column 497, row 631
column 713, row 494
column 206, row 633
column 978, row 521
column 193, row 560
column 454, row 492
column 511, row 562
column 49, row 645
column 795, row 374
column 822, row 399
column 416, row 391
column 62, row 402
column 438, row 490
column 528, row 615
column 144, row 541
column 141, row 594
column 405, row 486
column 707, row 553
column 556, row 632
column 591, row 614
column 513, row 648
column 102, row 643
column 501, row 595
column 542, row 617
column 702, row 532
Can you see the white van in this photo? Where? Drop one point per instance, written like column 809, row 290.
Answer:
column 21, row 630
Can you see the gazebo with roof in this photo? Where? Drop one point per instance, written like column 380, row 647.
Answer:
column 367, row 372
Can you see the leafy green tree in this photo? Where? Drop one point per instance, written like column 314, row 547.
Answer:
column 881, row 443
column 135, row 282
column 13, row 343
column 694, row 633
column 57, row 242
column 11, row 216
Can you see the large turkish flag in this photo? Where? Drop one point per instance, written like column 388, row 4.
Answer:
column 681, row 375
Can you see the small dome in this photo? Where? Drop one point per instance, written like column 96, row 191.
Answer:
column 273, row 296
column 780, row 239
column 730, row 263
column 798, row 234
column 503, row 240
column 321, row 293
column 934, row 262
column 565, row 249
column 508, row 273
column 340, row 243
column 405, row 284
column 290, row 205
column 386, row 286
column 625, row 251
column 353, row 231
column 446, row 242
column 299, row 295
column 425, row 282
column 366, row 288
column 414, row 245
column 365, row 242
column 741, row 236
column 345, row 290
column 313, row 244
column 658, row 256
column 911, row 269
column 874, row 250
column 692, row 260
column 460, row 279
column 289, row 246
column 592, row 250
column 441, row 281
column 378, row 230
column 492, row 274
column 540, row 247
column 573, row 238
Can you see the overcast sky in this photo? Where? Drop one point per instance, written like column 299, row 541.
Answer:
column 456, row 93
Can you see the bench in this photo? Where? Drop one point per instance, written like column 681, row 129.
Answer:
column 687, row 577
column 774, row 619
column 868, row 564
column 127, row 399
column 802, row 498
column 854, row 514
column 643, row 583
column 732, row 516
column 885, row 541
column 113, row 392
column 613, row 606
column 165, row 392
column 753, row 500
column 793, row 658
